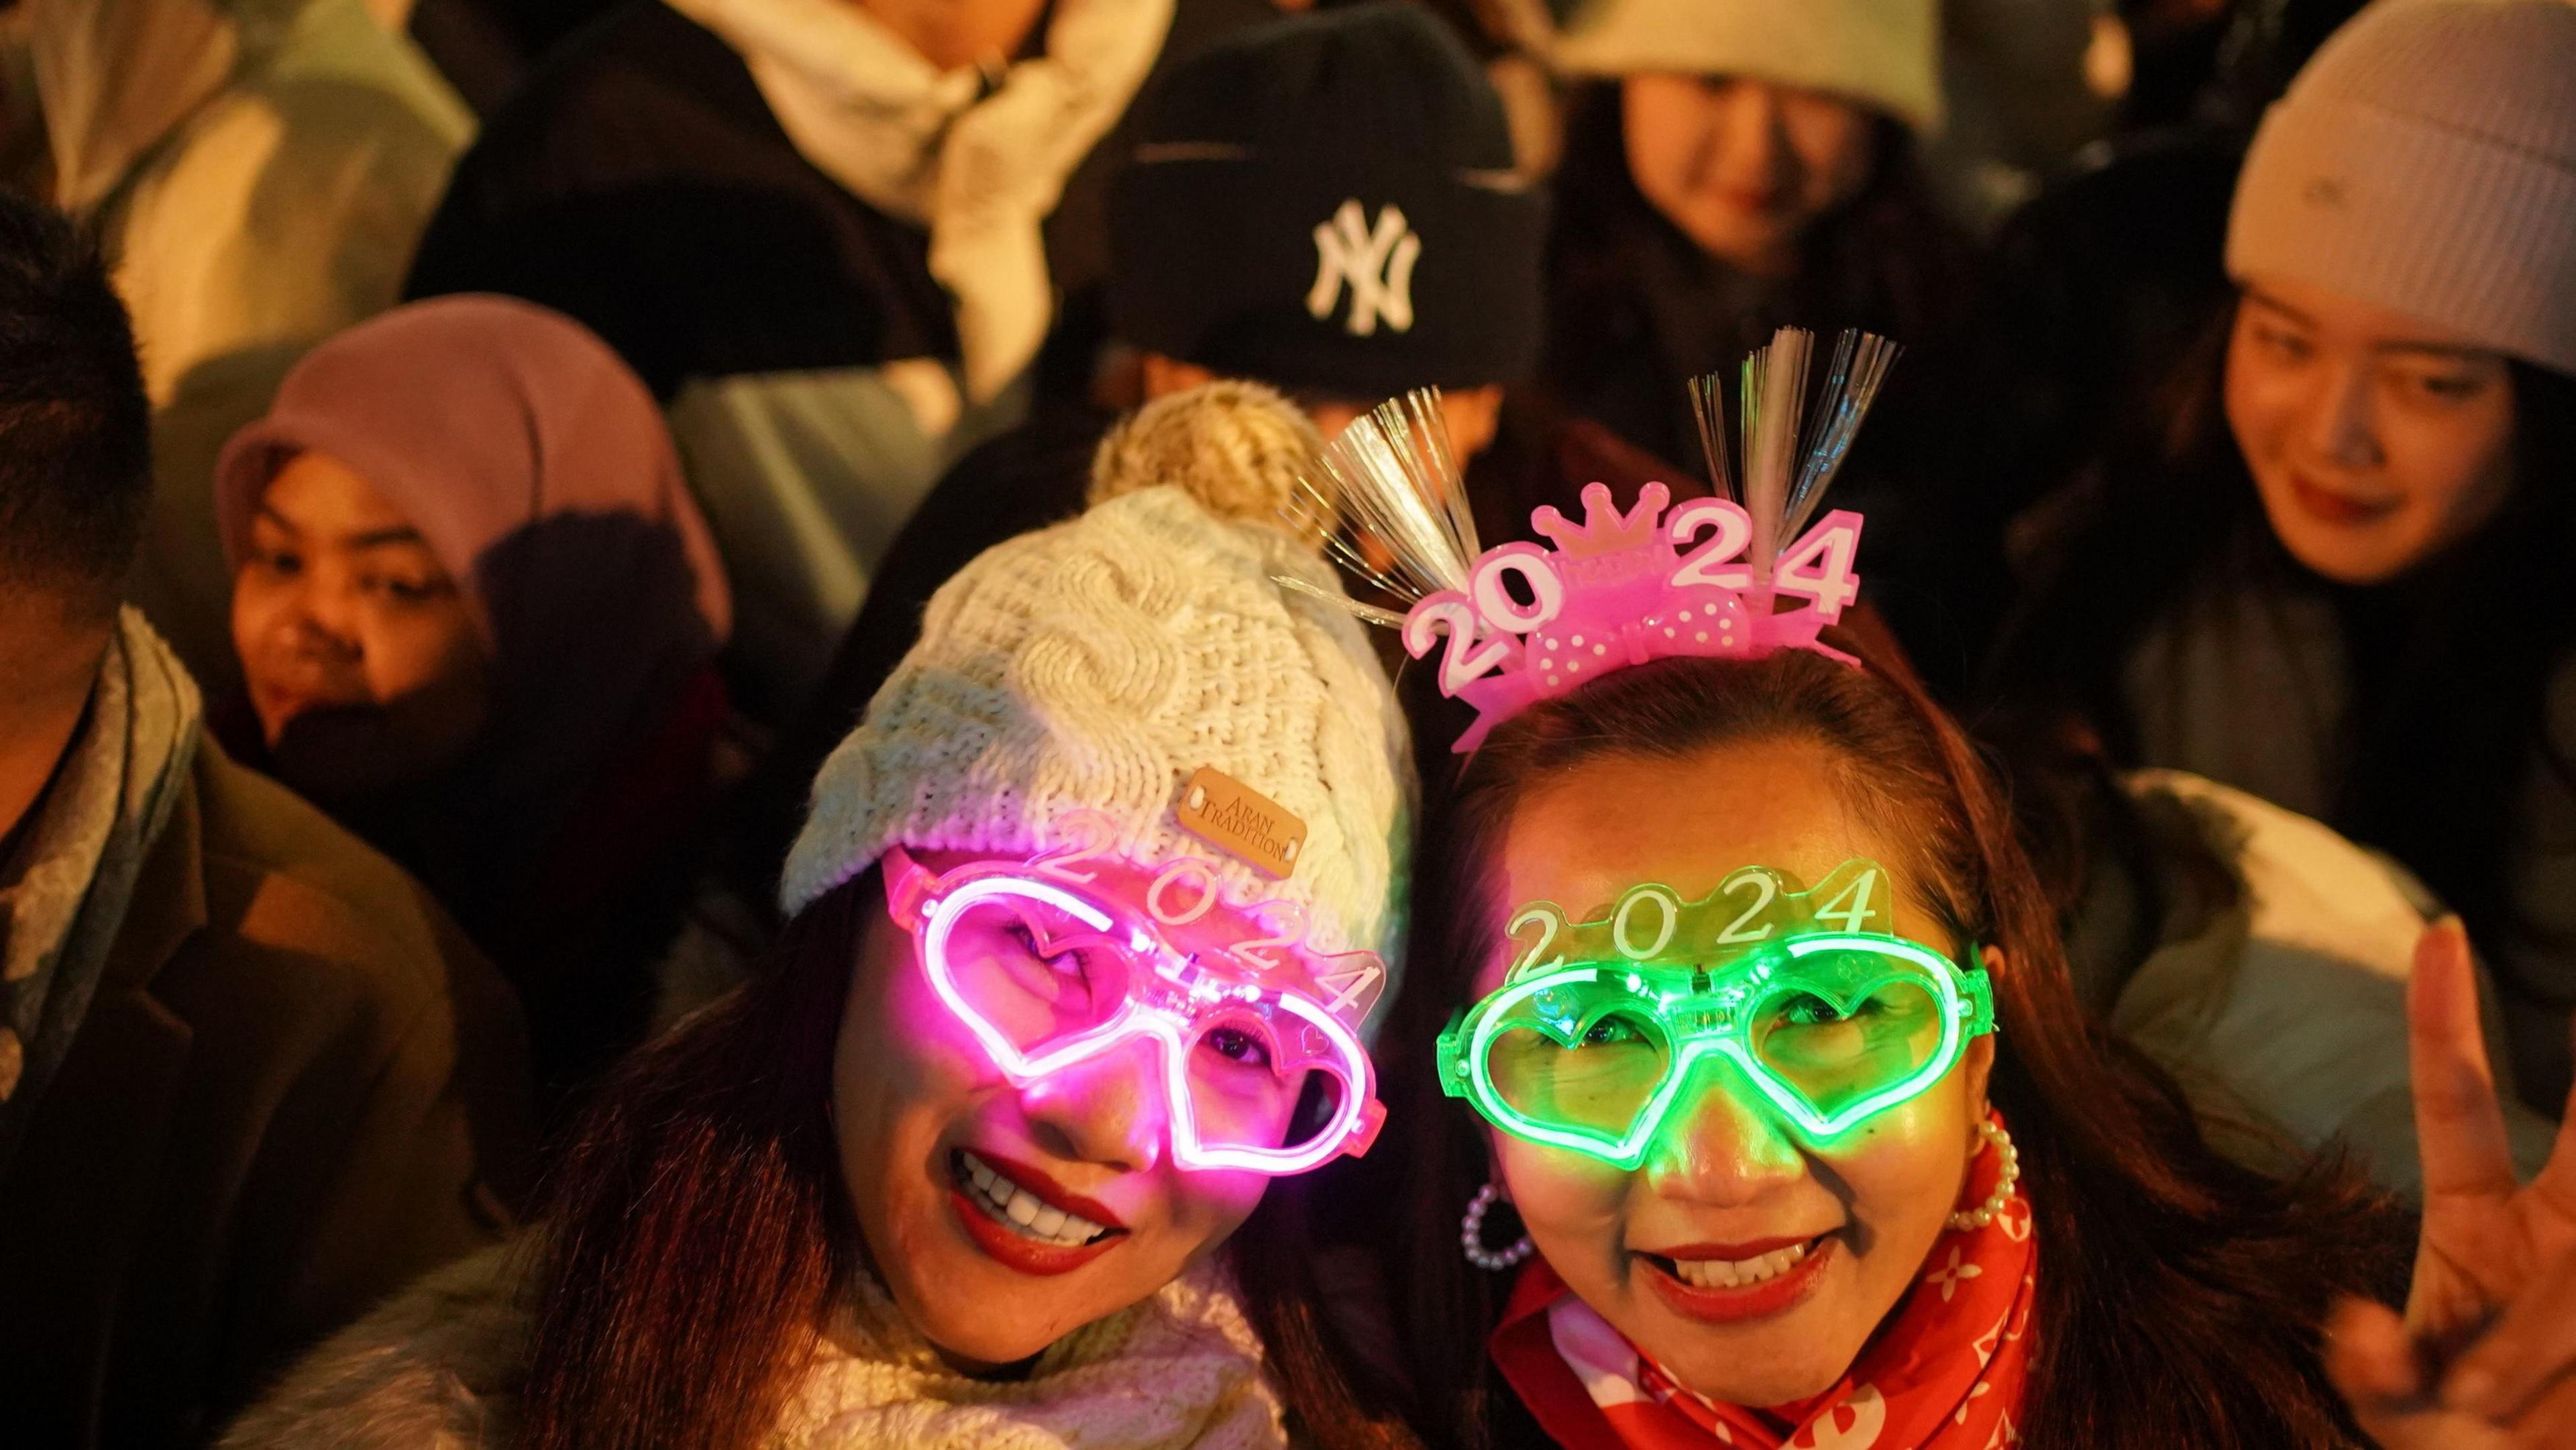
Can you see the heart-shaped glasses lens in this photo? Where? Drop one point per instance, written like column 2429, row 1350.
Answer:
column 1034, row 970
column 1260, row 1078
column 1586, row 1055
column 1844, row 1027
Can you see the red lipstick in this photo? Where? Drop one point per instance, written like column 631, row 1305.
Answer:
column 1018, row 1251
column 1047, row 1190
column 1727, row 1304
column 1733, row 1253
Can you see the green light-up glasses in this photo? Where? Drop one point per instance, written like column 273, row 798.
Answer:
column 1601, row 1025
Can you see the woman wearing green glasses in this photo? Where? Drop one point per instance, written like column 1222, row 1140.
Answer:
column 1780, row 1123
column 1823, row 1199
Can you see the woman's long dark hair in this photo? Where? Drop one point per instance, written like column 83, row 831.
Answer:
column 698, row 1230
column 2449, row 667
column 2181, row 1296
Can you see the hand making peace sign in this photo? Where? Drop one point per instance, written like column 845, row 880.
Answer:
column 2485, row 1358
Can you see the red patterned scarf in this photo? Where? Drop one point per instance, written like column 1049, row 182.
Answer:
column 1945, row 1373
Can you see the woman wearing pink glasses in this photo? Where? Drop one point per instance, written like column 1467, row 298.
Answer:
column 1088, row 916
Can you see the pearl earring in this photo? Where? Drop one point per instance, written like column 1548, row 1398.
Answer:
column 1471, row 1235
column 1981, row 1215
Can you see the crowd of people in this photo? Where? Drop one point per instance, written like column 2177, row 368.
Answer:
column 1071, row 723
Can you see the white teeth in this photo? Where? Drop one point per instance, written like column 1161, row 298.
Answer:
column 1737, row 1273
column 1007, row 1203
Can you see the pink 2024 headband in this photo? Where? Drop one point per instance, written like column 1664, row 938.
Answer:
column 1525, row 623
column 1620, row 590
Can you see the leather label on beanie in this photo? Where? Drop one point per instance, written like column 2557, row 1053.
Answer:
column 1241, row 821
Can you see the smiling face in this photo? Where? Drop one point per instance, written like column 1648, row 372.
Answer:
column 1821, row 1240
column 1744, row 167
column 2375, row 441
column 362, row 662
column 1002, row 1218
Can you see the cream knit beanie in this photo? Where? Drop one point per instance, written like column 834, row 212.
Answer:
column 2425, row 161
column 1882, row 53
column 1095, row 665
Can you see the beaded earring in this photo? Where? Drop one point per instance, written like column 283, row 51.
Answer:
column 1981, row 1215
column 1471, row 1235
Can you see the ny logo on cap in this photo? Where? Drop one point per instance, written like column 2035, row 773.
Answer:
column 1376, row 262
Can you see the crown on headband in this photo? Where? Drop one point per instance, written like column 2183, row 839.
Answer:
column 1525, row 624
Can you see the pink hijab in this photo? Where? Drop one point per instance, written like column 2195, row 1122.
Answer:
column 480, row 416
column 538, row 469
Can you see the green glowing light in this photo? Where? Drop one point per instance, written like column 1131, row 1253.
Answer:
column 1706, row 1019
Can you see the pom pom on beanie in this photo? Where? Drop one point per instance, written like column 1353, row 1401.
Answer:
column 1237, row 447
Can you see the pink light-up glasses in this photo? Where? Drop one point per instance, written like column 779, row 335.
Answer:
column 1048, row 971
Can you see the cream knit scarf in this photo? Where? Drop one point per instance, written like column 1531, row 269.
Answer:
column 980, row 167
column 1183, row 1368
column 440, row 1364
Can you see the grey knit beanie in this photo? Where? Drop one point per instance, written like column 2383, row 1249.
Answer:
column 1883, row 53
column 1096, row 665
column 2425, row 161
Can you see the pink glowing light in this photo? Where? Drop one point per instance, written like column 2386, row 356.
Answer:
column 1163, row 1005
